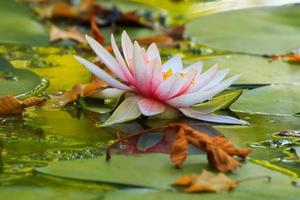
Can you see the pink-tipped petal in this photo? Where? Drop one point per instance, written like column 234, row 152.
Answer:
column 157, row 77
column 106, row 57
column 190, row 99
column 102, row 74
column 217, row 79
column 149, row 107
column 153, row 53
column 175, row 63
column 122, row 64
column 211, row 118
column 170, row 87
column 202, row 79
column 142, row 74
column 127, row 48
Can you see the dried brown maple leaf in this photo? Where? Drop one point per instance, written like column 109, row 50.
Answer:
column 179, row 148
column 72, row 33
column 219, row 150
column 11, row 105
column 207, row 182
column 80, row 90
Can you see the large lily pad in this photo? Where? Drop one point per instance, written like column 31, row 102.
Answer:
column 255, row 69
column 63, row 71
column 36, row 193
column 159, row 173
column 15, row 81
column 274, row 99
column 18, row 26
column 270, row 30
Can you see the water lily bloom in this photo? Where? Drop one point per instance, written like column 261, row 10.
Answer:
column 157, row 87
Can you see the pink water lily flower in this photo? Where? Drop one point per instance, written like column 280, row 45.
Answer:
column 157, row 86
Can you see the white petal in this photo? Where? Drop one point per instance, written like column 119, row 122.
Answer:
column 175, row 63
column 149, row 107
column 211, row 118
column 224, row 84
column 190, row 99
column 102, row 74
column 197, row 65
column 141, row 73
column 128, row 110
column 120, row 60
column 153, row 53
column 170, row 87
column 108, row 93
column 202, row 79
column 106, row 57
column 127, row 48
column 217, row 79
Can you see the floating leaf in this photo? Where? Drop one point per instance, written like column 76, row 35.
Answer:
column 14, row 81
column 219, row 102
column 11, row 105
column 72, row 33
column 274, row 99
column 207, row 182
column 249, row 30
column 18, row 27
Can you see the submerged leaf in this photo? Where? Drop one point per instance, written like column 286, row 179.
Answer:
column 72, row 33
column 179, row 148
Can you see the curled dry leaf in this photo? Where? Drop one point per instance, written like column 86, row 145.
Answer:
column 82, row 90
column 11, row 105
column 179, row 148
column 206, row 182
column 219, row 150
column 72, row 33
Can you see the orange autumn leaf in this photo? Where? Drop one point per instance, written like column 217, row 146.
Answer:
column 290, row 57
column 72, row 33
column 179, row 148
column 219, row 150
column 82, row 90
column 208, row 182
column 185, row 180
column 11, row 105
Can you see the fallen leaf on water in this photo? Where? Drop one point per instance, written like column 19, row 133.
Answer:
column 72, row 33
column 289, row 57
column 78, row 90
column 11, row 105
column 221, row 153
column 179, row 148
column 206, row 182
column 219, row 150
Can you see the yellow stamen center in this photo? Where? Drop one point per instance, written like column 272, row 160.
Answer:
column 167, row 74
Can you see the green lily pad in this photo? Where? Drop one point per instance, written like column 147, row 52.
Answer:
column 159, row 173
column 15, row 81
column 269, row 30
column 18, row 26
column 274, row 100
column 255, row 69
column 221, row 101
column 63, row 71
column 36, row 193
